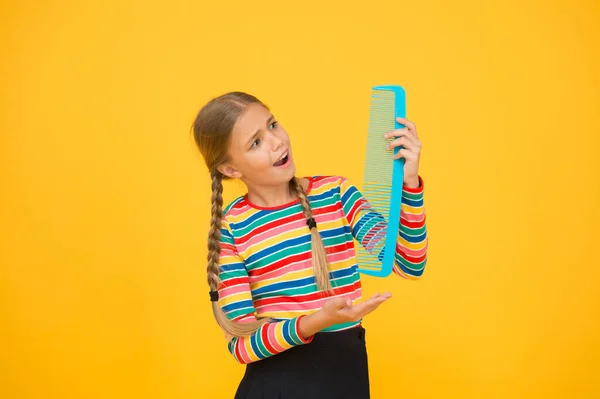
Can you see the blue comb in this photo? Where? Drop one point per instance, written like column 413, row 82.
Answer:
column 382, row 182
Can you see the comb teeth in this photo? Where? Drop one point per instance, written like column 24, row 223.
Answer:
column 378, row 184
column 381, row 120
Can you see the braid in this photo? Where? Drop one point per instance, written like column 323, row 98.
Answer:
column 214, row 235
column 297, row 187
column 319, row 255
column 235, row 329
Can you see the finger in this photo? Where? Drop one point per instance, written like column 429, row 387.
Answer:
column 410, row 125
column 397, row 133
column 364, row 308
column 357, row 309
column 373, row 300
column 385, row 295
column 403, row 141
column 339, row 302
column 368, row 309
column 372, row 304
column 379, row 299
column 403, row 133
column 406, row 154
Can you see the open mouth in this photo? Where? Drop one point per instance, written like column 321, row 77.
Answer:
column 283, row 160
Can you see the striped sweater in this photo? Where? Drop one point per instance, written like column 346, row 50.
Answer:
column 266, row 268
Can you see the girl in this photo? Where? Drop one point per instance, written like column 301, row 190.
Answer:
column 281, row 268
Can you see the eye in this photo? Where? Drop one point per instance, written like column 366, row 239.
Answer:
column 255, row 143
column 273, row 125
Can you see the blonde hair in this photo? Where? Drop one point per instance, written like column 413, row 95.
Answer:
column 212, row 133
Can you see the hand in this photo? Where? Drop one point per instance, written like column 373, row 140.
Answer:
column 338, row 310
column 341, row 310
column 407, row 137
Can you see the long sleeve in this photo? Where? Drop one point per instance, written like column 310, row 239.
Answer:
column 235, row 298
column 412, row 243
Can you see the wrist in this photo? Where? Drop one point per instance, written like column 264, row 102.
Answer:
column 313, row 323
column 411, row 181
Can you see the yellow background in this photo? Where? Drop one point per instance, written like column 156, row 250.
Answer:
column 105, row 202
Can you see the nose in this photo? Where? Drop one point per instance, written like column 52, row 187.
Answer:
column 276, row 142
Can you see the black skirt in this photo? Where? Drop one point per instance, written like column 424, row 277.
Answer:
column 334, row 365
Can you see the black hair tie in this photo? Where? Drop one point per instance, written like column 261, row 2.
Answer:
column 311, row 223
column 214, row 296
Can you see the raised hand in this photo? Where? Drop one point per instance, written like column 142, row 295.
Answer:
column 408, row 139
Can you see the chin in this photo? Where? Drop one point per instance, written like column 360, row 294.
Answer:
column 291, row 171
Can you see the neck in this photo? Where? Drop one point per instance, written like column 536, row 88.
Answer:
column 272, row 196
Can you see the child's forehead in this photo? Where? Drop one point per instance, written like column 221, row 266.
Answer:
column 255, row 113
column 254, row 118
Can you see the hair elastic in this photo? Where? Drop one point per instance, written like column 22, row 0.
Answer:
column 214, row 296
column 311, row 223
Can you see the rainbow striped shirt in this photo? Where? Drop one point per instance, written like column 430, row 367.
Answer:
column 266, row 267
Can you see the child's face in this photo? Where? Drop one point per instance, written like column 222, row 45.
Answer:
column 257, row 146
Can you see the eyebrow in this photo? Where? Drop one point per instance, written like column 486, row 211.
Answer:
column 251, row 139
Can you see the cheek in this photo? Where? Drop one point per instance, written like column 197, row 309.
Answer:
column 284, row 136
column 257, row 161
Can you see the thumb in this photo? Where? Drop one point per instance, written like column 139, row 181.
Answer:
column 339, row 302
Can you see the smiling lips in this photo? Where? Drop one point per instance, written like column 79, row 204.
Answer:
column 283, row 159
